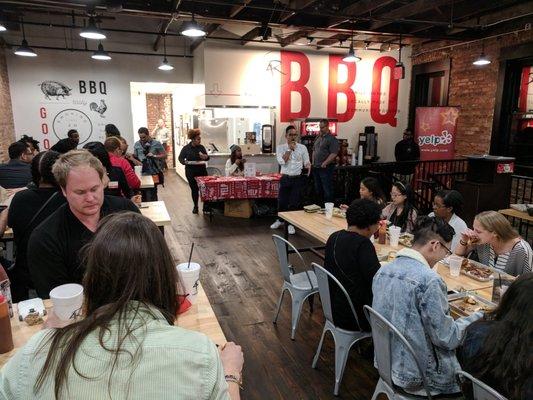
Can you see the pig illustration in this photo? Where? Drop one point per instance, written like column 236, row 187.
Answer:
column 54, row 88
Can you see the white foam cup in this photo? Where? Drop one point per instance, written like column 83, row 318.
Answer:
column 67, row 300
column 189, row 279
column 138, row 170
column 394, row 235
column 329, row 210
column 455, row 265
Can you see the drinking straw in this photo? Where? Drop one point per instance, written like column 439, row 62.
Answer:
column 190, row 256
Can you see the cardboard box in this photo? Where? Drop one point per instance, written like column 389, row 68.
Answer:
column 238, row 208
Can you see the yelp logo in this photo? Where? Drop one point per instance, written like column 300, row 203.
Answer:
column 434, row 140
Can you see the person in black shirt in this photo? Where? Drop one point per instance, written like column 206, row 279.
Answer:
column 189, row 156
column 16, row 173
column 27, row 210
column 69, row 143
column 407, row 150
column 351, row 258
column 53, row 248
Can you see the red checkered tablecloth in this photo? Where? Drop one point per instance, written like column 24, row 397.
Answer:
column 216, row 188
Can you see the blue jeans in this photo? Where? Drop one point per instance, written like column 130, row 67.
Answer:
column 323, row 178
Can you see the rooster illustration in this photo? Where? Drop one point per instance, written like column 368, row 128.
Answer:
column 100, row 109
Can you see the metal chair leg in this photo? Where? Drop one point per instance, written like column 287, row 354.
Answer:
column 319, row 349
column 297, row 303
column 279, row 305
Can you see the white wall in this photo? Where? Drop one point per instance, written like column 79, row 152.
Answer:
column 34, row 114
column 249, row 76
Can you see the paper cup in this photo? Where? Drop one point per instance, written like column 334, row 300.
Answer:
column 67, row 300
column 189, row 279
column 394, row 235
column 138, row 170
column 329, row 210
column 455, row 265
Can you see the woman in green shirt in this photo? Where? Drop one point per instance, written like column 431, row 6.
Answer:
column 127, row 346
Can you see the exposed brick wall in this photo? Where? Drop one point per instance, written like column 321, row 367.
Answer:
column 7, row 128
column 472, row 88
column 160, row 106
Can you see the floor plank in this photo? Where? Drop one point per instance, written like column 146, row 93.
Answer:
column 241, row 277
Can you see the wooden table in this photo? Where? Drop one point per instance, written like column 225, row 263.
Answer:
column 511, row 212
column 147, row 182
column 320, row 228
column 200, row 317
column 156, row 211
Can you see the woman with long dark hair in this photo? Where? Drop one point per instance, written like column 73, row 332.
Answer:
column 126, row 346
column 371, row 189
column 235, row 163
column 498, row 348
column 401, row 211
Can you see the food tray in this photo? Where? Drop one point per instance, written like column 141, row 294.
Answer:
column 473, row 266
column 406, row 239
column 465, row 303
column 337, row 212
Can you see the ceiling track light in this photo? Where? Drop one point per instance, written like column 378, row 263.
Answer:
column 351, row 57
column 24, row 49
column 192, row 29
column 482, row 59
column 101, row 54
column 165, row 66
column 91, row 31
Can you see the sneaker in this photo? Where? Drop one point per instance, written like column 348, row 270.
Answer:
column 276, row 225
column 292, row 231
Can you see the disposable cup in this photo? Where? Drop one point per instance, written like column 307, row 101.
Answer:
column 138, row 170
column 189, row 279
column 394, row 235
column 329, row 210
column 455, row 265
column 67, row 300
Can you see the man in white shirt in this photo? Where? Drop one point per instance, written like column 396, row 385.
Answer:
column 292, row 157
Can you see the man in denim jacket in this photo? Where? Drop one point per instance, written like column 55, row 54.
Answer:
column 413, row 297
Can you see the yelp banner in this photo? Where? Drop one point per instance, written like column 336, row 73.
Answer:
column 435, row 132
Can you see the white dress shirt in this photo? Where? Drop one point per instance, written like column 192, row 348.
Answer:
column 298, row 159
column 458, row 225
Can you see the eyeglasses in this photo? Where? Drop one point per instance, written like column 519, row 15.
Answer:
column 448, row 251
column 438, row 206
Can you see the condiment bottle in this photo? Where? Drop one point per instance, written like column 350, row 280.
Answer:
column 382, row 238
column 6, row 338
column 5, row 289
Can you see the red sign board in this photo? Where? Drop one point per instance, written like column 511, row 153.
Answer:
column 435, row 130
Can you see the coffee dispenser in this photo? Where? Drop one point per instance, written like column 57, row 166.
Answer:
column 369, row 140
column 267, row 133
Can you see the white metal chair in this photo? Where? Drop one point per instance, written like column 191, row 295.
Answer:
column 214, row 171
column 343, row 339
column 481, row 391
column 382, row 334
column 299, row 285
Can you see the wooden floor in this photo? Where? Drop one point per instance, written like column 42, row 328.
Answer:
column 242, row 279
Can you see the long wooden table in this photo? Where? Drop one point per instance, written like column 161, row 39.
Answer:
column 319, row 227
column 200, row 317
column 156, row 211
